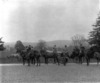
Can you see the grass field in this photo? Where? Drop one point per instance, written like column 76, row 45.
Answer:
column 49, row 73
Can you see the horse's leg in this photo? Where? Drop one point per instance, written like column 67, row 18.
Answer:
column 88, row 60
column 57, row 60
column 23, row 61
column 97, row 61
column 34, row 60
column 45, row 60
column 28, row 62
column 78, row 60
column 81, row 60
column 31, row 60
column 54, row 60
column 39, row 61
column 64, row 61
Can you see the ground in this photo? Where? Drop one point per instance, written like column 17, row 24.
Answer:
column 72, row 72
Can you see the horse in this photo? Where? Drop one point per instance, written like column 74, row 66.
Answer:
column 78, row 55
column 50, row 55
column 44, row 54
column 81, row 56
column 97, row 57
column 25, row 56
column 75, row 55
column 37, row 56
column 32, row 56
column 92, row 53
column 64, row 57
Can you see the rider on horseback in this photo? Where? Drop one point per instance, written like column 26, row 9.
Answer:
column 82, row 48
column 54, row 49
column 76, row 52
column 43, row 51
column 65, row 51
column 81, row 53
column 55, row 54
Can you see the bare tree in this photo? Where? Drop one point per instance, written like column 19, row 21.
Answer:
column 78, row 40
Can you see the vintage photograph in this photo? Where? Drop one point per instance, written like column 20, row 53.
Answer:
column 49, row 41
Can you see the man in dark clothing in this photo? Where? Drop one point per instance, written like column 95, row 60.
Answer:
column 54, row 49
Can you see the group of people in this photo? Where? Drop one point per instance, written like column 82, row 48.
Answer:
column 79, row 53
column 30, row 53
column 81, row 49
column 65, row 50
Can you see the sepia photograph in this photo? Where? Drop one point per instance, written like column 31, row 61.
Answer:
column 49, row 41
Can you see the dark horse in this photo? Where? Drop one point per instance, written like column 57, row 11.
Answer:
column 25, row 57
column 50, row 55
column 30, row 57
column 64, row 58
column 37, row 56
column 93, row 53
column 97, row 57
column 78, row 55
column 75, row 54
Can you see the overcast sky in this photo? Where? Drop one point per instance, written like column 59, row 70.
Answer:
column 32, row 20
